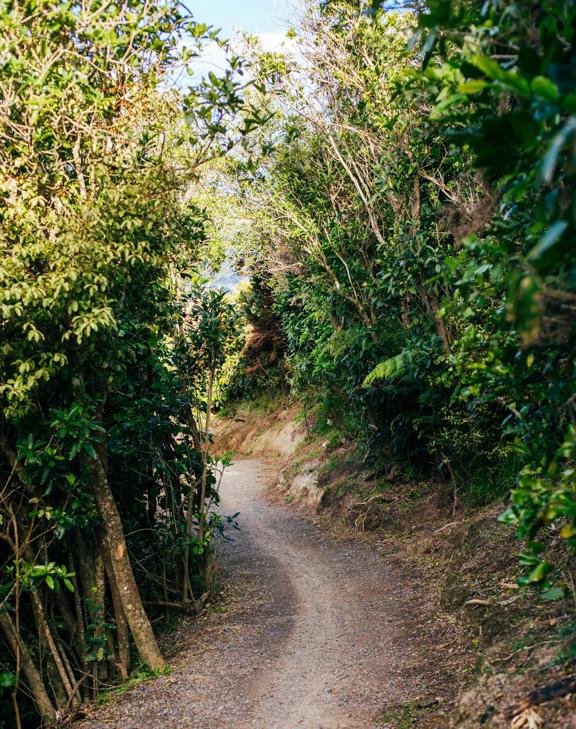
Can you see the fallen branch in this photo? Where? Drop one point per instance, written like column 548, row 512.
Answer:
column 525, row 648
column 541, row 695
column 386, row 498
column 191, row 607
column 186, row 607
column 447, row 526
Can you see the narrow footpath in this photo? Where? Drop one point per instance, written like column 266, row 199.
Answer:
column 319, row 633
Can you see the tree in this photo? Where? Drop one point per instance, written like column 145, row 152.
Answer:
column 98, row 148
column 207, row 338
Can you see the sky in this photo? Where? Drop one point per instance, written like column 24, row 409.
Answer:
column 267, row 19
column 255, row 16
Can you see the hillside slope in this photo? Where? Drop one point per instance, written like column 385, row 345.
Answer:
column 496, row 643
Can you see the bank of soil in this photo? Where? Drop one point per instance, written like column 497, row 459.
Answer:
column 496, row 645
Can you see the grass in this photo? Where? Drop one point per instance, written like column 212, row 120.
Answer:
column 263, row 404
column 301, row 461
column 331, row 465
column 138, row 676
column 487, row 485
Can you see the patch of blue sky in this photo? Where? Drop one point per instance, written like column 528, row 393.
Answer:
column 252, row 16
column 267, row 19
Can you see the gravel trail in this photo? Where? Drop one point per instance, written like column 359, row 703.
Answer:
column 319, row 633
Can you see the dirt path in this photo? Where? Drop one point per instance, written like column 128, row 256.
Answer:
column 320, row 634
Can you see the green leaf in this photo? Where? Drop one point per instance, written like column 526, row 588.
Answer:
column 511, row 81
column 487, row 65
column 89, row 448
column 438, row 110
column 545, row 88
column 550, row 161
column 474, row 86
column 50, row 581
column 526, row 306
column 8, row 680
column 537, row 574
column 390, row 368
column 548, row 240
column 554, row 593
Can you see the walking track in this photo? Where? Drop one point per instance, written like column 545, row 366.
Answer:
column 320, row 633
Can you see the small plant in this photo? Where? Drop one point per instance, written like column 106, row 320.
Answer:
column 545, row 495
column 139, row 676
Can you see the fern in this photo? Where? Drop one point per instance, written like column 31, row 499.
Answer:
column 390, row 368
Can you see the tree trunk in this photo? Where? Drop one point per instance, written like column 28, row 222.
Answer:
column 122, row 632
column 205, row 451
column 90, row 571
column 187, row 593
column 31, row 673
column 114, row 544
column 46, row 633
column 71, row 623
column 431, row 301
column 103, row 636
column 80, row 622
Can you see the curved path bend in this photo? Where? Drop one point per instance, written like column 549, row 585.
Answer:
column 319, row 633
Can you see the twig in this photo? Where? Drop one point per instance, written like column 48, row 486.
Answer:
column 446, row 526
column 526, row 648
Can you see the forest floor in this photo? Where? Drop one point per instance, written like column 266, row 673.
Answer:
column 316, row 631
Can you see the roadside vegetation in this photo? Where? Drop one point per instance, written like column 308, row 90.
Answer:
column 411, row 216
column 108, row 346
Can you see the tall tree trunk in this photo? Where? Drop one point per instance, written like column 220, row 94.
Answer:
column 115, row 544
column 31, row 674
column 122, row 631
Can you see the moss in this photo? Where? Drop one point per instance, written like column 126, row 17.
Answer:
column 407, row 716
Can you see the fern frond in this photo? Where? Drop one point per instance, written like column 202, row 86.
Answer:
column 390, row 368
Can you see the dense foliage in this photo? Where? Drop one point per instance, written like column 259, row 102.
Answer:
column 105, row 474
column 414, row 205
